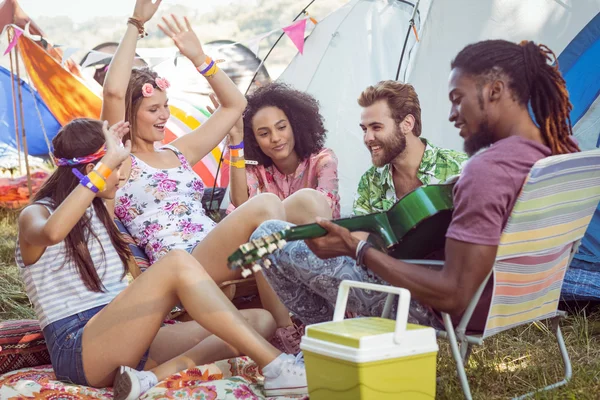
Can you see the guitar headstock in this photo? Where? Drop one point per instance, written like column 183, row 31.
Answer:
column 251, row 256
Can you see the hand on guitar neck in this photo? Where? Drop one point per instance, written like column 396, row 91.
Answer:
column 414, row 227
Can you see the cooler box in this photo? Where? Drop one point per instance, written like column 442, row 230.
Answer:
column 370, row 358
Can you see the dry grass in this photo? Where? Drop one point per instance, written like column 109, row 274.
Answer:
column 507, row 365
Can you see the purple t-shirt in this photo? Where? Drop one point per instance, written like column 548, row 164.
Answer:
column 484, row 197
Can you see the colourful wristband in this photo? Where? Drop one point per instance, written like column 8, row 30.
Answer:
column 212, row 71
column 237, row 164
column 208, row 68
column 97, row 180
column 103, row 170
column 237, row 153
column 84, row 180
column 237, row 146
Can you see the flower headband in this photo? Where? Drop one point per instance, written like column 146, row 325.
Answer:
column 148, row 88
column 63, row 162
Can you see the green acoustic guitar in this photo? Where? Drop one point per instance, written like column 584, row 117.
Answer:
column 413, row 228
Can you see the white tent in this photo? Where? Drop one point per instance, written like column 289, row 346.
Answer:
column 357, row 45
column 360, row 44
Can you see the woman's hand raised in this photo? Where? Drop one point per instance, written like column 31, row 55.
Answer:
column 116, row 152
column 145, row 9
column 185, row 39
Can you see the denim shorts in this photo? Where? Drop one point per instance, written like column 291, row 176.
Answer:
column 64, row 341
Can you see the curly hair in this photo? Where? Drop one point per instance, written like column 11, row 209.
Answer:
column 301, row 109
column 534, row 79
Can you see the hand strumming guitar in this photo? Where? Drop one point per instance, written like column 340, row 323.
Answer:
column 338, row 241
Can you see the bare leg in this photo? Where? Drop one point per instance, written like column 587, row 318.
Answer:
column 174, row 340
column 303, row 206
column 235, row 230
column 124, row 329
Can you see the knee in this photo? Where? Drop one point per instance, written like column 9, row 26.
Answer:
column 181, row 262
column 267, row 206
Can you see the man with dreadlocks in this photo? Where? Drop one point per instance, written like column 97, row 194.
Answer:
column 492, row 84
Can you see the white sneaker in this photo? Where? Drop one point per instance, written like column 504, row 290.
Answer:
column 130, row 384
column 286, row 375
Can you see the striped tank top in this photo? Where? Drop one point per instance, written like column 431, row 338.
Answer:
column 54, row 286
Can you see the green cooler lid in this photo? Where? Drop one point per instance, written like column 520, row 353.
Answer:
column 356, row 331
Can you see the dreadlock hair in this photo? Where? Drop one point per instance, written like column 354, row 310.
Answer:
column 532, row 80
column 78, row 138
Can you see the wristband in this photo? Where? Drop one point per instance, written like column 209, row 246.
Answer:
column 237, row 164
column 103, row 170
column 97, row 180
column 237, row 153
column 84, row 180
column 237, row 146
column 361, row 250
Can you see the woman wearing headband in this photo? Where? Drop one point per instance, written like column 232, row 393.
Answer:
column 101, row 331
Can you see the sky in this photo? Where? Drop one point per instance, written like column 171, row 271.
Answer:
column 83, row 10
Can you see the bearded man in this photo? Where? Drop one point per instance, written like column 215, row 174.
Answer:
column 402, row 159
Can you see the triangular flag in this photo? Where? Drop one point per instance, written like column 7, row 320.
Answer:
column 67, row 53
column 95, row 56
column 254, row 44
column 296, row 33
column 28, row 34
column 13, row 42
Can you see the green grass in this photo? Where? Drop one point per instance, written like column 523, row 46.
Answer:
column 508, row 364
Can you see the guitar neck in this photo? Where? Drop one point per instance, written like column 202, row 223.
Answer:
column 377, row 224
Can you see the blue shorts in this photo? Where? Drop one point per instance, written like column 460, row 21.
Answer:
column 64, row 341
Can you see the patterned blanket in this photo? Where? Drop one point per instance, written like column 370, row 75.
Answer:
column 236, row 378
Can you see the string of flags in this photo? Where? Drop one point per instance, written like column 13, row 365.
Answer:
column 295, row 32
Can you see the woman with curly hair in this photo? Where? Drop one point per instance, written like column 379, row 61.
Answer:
column 284, row 133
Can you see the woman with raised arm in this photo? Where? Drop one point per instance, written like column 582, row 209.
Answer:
column 98, row 329
column 159, row 198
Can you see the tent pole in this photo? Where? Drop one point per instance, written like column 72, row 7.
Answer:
column 23, row 137
column 411, row 23
column 14, row 98
column 246, row 92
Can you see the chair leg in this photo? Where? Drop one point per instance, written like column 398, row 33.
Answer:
column 456, row 353
column 566, row 360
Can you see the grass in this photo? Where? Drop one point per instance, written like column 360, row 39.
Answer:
column 508, row 364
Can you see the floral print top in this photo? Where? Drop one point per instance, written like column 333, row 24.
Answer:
column 318, row 171
column 162, row 208
column 376, row 191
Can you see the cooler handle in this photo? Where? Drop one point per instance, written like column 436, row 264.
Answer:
column 401, row 313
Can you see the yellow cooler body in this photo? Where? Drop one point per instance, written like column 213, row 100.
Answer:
column 370, row 359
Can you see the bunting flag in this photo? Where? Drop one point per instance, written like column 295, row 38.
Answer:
column 296, row 33
column 13, row 42
column 67, row 53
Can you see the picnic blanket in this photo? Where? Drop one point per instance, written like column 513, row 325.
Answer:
column 236, row 378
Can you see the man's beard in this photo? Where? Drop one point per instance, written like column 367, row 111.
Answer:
column 482, row 139
column 391, row 148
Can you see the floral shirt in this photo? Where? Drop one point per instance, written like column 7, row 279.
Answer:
column 319, row 172
column 376, row 191
column 162, row 208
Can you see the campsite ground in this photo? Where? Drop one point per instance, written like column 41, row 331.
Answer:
column 506, row 366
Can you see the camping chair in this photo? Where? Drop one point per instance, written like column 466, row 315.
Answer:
column 548, row 220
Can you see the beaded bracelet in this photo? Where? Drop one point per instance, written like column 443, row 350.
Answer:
column 237, row 164
column 103, row 170
column 139, row 25
column 84, row 180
